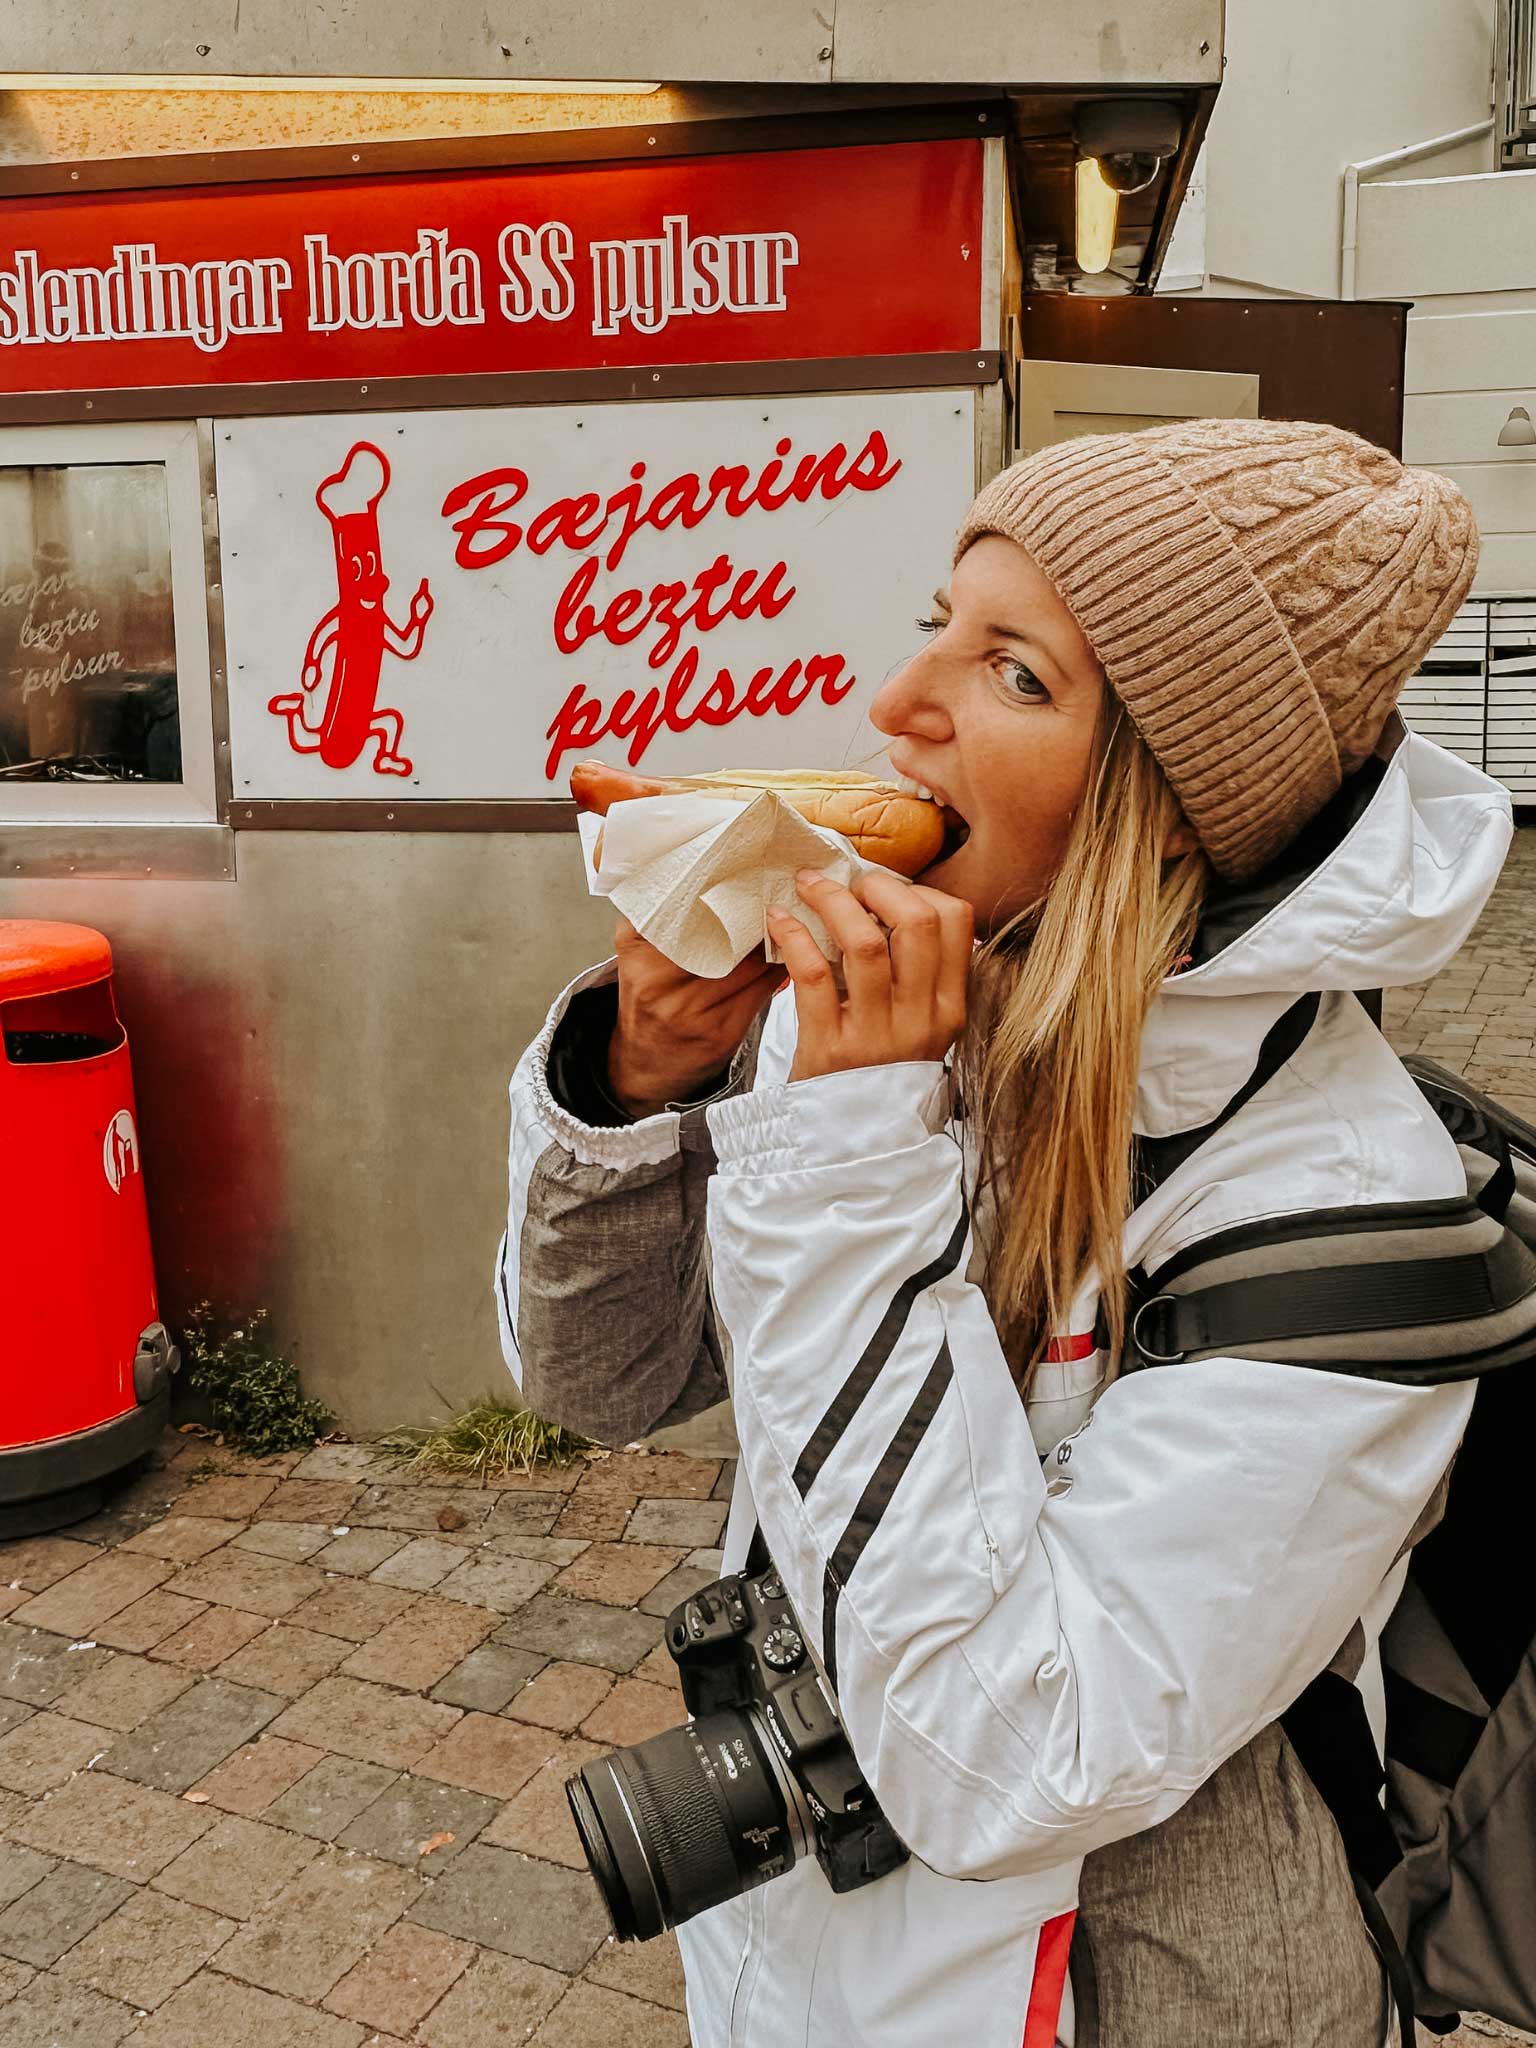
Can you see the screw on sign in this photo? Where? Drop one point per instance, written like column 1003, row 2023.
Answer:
column 347, row 648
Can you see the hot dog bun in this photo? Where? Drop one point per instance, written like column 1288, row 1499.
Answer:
column 897, row 831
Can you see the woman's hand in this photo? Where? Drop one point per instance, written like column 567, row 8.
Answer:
column 675, row 1030
column 906, row 957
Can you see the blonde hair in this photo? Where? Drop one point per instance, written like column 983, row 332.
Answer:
column 1048, row 1061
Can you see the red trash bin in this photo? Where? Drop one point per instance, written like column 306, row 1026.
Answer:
column 86, row 1384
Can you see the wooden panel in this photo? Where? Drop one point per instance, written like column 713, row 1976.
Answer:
column 1427, row 235
column 1315, row 360
column 1471, row 351
column 1502, row 494
column 1446, row 427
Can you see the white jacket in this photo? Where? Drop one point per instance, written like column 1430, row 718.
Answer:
column 1032, row 1663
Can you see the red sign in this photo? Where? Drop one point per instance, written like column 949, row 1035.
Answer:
column 862, row 251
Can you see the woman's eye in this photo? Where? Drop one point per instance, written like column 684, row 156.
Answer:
column 930, row 625
column 1022, row 681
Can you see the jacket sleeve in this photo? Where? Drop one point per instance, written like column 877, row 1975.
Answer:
column 1025, row 1671
column 601, row 1292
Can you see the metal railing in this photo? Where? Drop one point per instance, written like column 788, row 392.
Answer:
column 1514, row 84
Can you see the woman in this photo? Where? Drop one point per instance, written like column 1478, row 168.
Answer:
column 1159, row 689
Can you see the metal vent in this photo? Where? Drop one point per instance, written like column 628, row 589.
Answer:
column 1514, row 84
column 1475, row 694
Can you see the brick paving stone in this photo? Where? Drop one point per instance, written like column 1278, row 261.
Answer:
column 182, row 1539
column 183, row 1741
column 357, row 1462
column 210, row 1637
column 678, row 1585
column 12, row 1977
column 593, row 1517
column 725, row 1485
column 237, row 1867
column 489, row 1579
column 359, row 1551
column 310, row 1500
column 423, row 1646
column 652, row 1970
column 233, row 1499
column 544, row 1477
column 660, row 1667
column 326, row 1798
column 414, row 1509
column 633, row 1711
column 215, row 2012
column 420, row 1565
column 247, row 1580
column 53, row 2013
column 517, row 1905
column 147, row 1949
column 36, row 1561
column 12, row 1597
column 148, row 1622
column 583, row 1630
column 46, row 1750
column 20, row 1869
column 73, row 1605
column 590, row 2017
column 113, row 1825
column 366, row 1722
column 285, row 1660
column 525, row 1514
column 706, row 1560
column 618, row 1574
column 296, row 1541
column 538, row 1821
column 689, row 1524
column 413, row 1810
column 652, row 1475
column 36, row 1666
column 354, row 1609
column 500, row 1998
column 562, row 1696
column 12, row 1714
column 55, row 1914
column 555, row 1550
column 397, row 1985
column 325, row 1921
column 254, row 1776
column 121, row 1694
column 487, row 1753
column 488, row 1677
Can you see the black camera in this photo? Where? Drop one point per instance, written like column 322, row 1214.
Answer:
column 760, row 1774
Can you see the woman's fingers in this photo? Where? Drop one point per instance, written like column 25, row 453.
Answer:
column 818, row 1006
column 861, row 940
column 932, row 936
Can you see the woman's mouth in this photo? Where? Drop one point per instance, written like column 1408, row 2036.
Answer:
column 956, row 829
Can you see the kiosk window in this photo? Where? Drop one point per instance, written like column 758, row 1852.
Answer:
column 87, row 629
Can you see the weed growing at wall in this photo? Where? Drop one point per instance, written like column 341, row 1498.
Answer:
column 258, row 1404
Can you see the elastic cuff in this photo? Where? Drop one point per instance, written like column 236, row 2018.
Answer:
column 830, row 1119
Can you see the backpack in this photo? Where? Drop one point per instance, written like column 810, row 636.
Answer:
column 1418, row 1293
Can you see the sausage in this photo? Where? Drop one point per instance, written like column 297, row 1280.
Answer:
column 595, row 786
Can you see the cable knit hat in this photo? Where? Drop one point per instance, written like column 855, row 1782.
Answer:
column 1258, row 591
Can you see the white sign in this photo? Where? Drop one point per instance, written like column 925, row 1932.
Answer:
column 462, row 604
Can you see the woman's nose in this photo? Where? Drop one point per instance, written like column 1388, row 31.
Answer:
column 911, row 700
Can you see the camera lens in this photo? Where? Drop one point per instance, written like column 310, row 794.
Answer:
column 685, row 1820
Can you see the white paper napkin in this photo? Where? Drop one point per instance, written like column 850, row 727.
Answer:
column 694, row 874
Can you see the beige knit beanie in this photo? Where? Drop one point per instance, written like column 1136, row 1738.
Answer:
column 1258, row 591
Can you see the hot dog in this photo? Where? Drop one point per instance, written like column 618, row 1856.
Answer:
column 884, row 824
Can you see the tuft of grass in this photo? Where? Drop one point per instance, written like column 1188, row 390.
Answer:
column 483, row 1441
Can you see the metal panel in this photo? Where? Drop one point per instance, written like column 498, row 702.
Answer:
column 1502, row 494
column 1512, row 696
column 1447, row 700
column 1476, row 691
column 772, row 40
column 321, row 1057
column 1446, row 427
column 1471, row 351
column 1142, row 42
column 1047, row 42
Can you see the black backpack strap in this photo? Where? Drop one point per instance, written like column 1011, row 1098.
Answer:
column 1157, row 1158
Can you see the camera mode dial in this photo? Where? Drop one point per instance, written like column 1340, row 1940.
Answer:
column 784, row 1648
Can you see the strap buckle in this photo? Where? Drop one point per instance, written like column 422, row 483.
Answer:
column 1150, row 1351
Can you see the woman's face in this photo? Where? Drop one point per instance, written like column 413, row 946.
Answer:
column 996, row 716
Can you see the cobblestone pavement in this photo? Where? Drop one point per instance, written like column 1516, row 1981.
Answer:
column 1478, row 1017
column 283, row 1747
column 283, row 1743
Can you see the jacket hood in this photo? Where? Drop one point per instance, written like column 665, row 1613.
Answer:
column 1379, row 891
